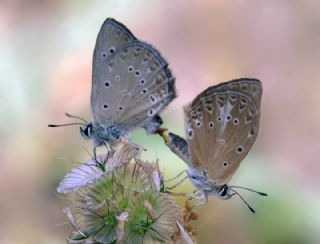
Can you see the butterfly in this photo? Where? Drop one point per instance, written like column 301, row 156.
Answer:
column 221, row 125
column 131, row 85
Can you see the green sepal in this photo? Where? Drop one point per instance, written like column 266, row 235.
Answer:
column 80, row 236
column 102, row 166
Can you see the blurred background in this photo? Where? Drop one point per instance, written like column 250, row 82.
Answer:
column 45, row 70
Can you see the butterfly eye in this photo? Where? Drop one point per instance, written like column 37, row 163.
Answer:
column 211, row 124
column 105, row 106
column 117, row 77
column 219, row 119
column 228, row 118
column 225, row 164
column 224, row 191
column 130, row 68
column 120, row 108
column 107, row 84
column 144, row 91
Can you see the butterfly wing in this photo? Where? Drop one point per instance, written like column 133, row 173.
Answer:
column 111, row 37
column 250, row 87
column 222, row 124
column 132, row 86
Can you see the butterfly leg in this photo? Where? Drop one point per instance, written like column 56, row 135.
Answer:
column 178, row 194
column 196, row 194
column 95, row 152
column 204, row 200
column 175, row 177
column 201, row 196
column 181, row 194
column 108, row 146
column 178, row 183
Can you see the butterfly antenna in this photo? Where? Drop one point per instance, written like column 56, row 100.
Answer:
column 51, row 125
column 76, row 117
column 69, row 160
column 245, row 202
column 248, row 189
column 90, row 154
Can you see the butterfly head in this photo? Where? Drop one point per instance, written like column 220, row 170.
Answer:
column 86, row 132
column 200, row 180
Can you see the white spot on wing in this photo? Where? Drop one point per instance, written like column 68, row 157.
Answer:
column 198, row 123
column 104, row 55
column 190, row 133
column 239, row 149
column 111, row 50
column 137, row 73
column 142, row 82
column 151, row 112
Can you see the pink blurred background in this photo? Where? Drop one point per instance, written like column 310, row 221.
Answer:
column 45, row 62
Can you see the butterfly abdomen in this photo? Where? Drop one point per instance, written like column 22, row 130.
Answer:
column 179, row 146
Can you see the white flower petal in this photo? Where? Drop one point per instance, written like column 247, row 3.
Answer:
column 89, row 172
column 80, row 176
column 184, row 235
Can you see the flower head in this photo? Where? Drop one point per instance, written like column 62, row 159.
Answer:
column 124, row 204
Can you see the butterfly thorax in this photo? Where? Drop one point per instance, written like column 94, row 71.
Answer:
column 100, row 134
column 200, row 180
